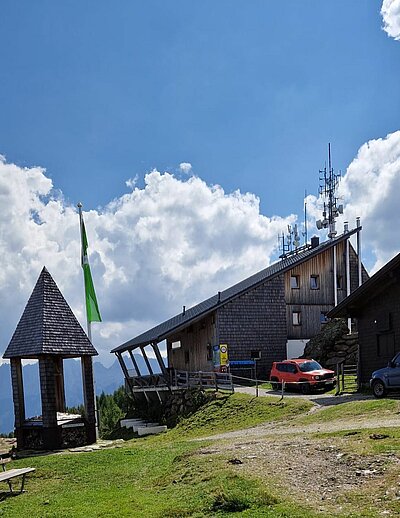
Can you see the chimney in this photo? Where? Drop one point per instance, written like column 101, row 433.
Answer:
column 183, row 311
column 346, row 226
column 219, row 296
column 314, row 242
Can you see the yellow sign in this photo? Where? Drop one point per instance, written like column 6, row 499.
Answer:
column 223, row 354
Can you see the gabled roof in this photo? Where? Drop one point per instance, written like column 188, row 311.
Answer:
column 359, row 297
column 48, row 326
column 160, row 332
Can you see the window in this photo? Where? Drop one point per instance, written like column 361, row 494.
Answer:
column 339, row 282
column 295, row 282
column 176, row 345
column 314, row 282
column 296, row 318
column 323, row 318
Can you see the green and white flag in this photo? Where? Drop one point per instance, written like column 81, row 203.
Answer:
column 92, row 308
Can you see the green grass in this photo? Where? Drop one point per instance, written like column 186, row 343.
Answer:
column 168, row 477
column 355, row 409
column 236, row 411
column 143, row 480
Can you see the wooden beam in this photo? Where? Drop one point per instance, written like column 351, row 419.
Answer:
column 124, row 370
column 135, row 365
column 146, row 361
column 159, row 358
column 18, row 391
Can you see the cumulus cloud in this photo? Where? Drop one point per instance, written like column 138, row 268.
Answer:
column 171, row 243
column 185, row 167
column 390, row 12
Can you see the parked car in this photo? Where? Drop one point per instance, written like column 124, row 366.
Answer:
column 386, row 379
column 309, row 372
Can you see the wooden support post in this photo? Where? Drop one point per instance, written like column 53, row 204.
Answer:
column 125, row 371
column 134, row 362
column 146, row 361
column 159, row 358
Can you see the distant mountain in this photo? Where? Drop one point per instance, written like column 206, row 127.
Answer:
column 107, row 379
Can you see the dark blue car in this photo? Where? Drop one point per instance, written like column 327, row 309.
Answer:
column 386, row 379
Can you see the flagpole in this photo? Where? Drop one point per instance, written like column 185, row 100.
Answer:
column 89, row 332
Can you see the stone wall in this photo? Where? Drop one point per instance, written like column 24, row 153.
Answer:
column 178, row 404
column 344, row 350
column 333, row 345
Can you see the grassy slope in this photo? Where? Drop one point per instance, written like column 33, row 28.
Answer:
column 355, row 409
column 228, row 413
column 161, row 476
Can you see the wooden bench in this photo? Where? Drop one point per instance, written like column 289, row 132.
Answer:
column 8, row 475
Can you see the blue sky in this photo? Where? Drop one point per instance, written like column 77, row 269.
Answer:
column 248, row 92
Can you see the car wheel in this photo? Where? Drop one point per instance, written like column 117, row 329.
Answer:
column 378, row 389
column 275, row 385
column 305, row 388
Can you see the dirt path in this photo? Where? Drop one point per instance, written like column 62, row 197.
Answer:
column 323, row 473
column 280, row 429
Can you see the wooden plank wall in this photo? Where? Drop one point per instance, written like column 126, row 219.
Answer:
column 194, row 340
column 311, row 302
column 385, row 304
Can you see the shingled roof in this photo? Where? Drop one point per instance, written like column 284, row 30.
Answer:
column 48, row 326
column 160, row 332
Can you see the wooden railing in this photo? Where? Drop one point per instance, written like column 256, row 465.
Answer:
column 203, row 380
column 182, row 379
column 152, row 380
column 347, row 378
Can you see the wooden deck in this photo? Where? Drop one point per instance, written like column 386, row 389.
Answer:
column 180, row 380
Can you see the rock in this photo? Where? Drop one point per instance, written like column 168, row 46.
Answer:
column 235, row 461
column 377, row 436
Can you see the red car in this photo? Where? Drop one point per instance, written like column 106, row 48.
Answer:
column 309, row 372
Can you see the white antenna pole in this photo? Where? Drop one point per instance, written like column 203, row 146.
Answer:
column 348, row 286
column 335, row 275
column 358, row 225
column 305, row 217
column 89, row 332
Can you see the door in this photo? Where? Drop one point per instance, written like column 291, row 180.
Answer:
column 393, row 378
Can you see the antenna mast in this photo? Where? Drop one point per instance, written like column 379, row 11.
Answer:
column 329, row 181
column 305, row 234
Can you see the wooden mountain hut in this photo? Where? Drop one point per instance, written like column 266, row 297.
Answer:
column 267, row 317
column 49, row 332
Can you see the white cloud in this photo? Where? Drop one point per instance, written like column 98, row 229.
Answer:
column 131, row 182
column 185, row 167
column 390, row 12
column 152, row 250
column 370, row 189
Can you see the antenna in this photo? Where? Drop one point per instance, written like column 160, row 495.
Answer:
column 329, row 181
column 305, row 235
